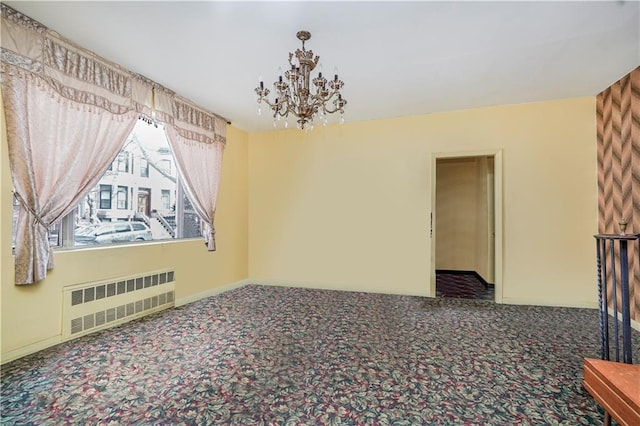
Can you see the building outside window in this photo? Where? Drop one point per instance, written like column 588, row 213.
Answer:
column 123, row 194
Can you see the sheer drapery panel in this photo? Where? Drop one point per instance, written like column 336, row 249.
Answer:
column 58, row 151
column 199, row 164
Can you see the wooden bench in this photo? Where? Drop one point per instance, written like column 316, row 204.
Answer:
column 616, row 387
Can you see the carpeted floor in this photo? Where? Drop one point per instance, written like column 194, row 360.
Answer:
column 286, row 356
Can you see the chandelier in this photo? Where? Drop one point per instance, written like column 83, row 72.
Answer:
column 294, row 92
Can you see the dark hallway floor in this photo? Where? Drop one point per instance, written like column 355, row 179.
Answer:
column 461, row 285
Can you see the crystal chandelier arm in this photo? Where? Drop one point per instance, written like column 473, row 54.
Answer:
column 278, row 107
column 336, row 109
column 338, row 101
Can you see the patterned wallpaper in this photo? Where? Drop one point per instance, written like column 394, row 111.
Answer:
column 618, row 124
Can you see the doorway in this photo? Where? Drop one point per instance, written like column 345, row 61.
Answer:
column 466, row 221
column 144, row 201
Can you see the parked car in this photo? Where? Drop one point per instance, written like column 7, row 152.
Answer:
column 113, row 232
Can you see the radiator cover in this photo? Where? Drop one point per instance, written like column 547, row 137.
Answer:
column 90, row 307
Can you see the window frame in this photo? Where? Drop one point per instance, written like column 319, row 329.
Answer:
column 122, row 190
column 103, row 189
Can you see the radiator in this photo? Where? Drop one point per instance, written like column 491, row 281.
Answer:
column 94, row 306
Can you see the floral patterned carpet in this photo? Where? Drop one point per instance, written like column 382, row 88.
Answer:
column 286, row 356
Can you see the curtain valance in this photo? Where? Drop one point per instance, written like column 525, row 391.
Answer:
column 81, row 76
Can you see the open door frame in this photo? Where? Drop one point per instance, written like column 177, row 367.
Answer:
column 497, row 189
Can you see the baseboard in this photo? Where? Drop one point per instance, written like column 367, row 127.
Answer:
column 30, row 349
column 212, row 292
column 634, row 324
column 588, row 304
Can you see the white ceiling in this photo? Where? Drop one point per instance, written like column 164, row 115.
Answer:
column 396, row 58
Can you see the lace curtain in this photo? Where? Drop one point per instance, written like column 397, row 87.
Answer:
column 68, row 113
column 199, row 166
column 58, row 150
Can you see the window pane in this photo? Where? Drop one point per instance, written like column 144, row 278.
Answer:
column 147, row 205
column 55, row 232
column 138, row 226
column 192, row 223
column 144, row 168
column 122, row 227
column 123, row 192
column 123, row 162
column 105, row 196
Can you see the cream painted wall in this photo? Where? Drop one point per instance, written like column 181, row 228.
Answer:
column 347, row 207
column 31, row 315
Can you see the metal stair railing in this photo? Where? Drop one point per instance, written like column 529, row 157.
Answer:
column 614, row 250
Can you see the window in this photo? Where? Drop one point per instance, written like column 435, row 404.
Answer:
column 166, row 165
column 153, row 208
column 123, row 162
column 136, row 226
column 122, row 227
column 144, row 167
column 123, row 193
column 105, row 197
column 166, row 199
